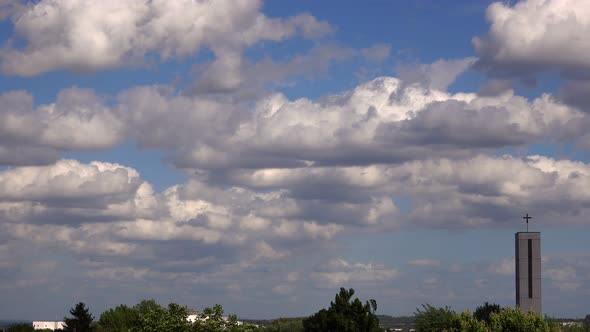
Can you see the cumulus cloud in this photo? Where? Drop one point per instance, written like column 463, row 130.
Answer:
column 77, row 120
column 71, row 192
column 564, row 278
column 103, row 209
column 381, row 121
column 567, row 274
column 386, row 120
column 505, row 266
column 18, row 155
column 493, row 190
column 473, row 192
column 10, row 7
column 198, row 233
column 425, row 262
column 536, row 34
column 89, row 35
column 241, row 78
column 437, row 75
column 339, row 272
column 68, row 179
column 577, row 94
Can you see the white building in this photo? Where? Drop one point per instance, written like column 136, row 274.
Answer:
column 52, row 325
column 194, row 318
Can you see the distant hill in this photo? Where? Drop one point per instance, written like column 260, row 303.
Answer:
column 403, row 322
column 386, row 321
column 5, row 323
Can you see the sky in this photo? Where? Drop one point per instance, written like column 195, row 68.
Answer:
column 261, row 155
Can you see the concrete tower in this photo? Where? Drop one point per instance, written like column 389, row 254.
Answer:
column 528, row 271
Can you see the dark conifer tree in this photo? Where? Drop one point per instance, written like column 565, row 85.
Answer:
column 484, row 312
column 80, row 321
column 344, row 315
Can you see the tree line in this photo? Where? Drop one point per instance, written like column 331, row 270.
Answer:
column 344, row 314
column 488, row 318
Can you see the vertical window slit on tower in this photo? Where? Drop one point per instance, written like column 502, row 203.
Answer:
column 530, row 261
column 517, row 275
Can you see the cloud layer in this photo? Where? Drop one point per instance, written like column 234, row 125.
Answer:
column 280, row 189
column 90, row 35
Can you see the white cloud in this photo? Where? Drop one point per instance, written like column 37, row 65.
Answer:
column 93, row 35
column 182, row 219
column 505, row 266
column 10, row 7
column 482, row 191
column 240, row 78
column 536, row 33
column 77, row 120
column 69, row 192
column 339, row 272
column 325, row 232
column 564, row 278
column 68, row 179
column 425, row 262
column 436, row 76
column 283, row 289
column 265, row 251
column 377, row 52
column 382, row 121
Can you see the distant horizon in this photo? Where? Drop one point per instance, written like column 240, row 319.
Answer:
column 4, row 321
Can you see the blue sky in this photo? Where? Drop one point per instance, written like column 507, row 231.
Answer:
column 263, row 154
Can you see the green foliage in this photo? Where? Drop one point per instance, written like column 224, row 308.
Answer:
column 285, row 325
column 571, row 329
column 468, row 323
column 80, row 321
column 514, row 320
column 212, row 320
column 120, row 319
column 20, row 327
column 551, row 323
column 434, row 319
column 483, row 313
column 344, row 315
column 149, row 316
column 431, row 319
column 154, row 318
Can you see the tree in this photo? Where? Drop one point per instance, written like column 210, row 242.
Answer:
column 120, row 319
column 432, row 319
column 514, row 320
column 154, row 318
column 465, row 322
column 211, row 320
column 483, row 313
column 285, row 325
column 80, row 321
column 344, row 315
column 20, row 327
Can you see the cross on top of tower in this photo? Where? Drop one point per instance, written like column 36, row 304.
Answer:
column 527, row 221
